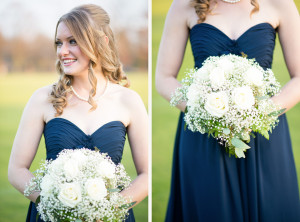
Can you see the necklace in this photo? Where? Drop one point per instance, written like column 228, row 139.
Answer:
column 86, row 100
column 231, row 1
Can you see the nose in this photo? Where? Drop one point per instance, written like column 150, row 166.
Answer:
column 63, row 50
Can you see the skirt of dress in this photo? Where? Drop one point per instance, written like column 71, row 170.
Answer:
column 208, row 185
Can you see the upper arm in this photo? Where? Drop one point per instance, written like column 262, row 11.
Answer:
column 173, row 41
column 29, row 132
column 289, row 34
column 137, row 130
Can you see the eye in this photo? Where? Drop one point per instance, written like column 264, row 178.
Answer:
column 58, row 43
column 73, row 42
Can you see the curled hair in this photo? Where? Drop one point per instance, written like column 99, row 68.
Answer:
column 89, row 25
column 202, row 8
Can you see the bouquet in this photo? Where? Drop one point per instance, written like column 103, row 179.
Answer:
column 80, row 185
column 228, row 98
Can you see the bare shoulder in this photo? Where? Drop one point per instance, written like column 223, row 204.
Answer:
column 126, row 96
column 38, row 104
column 39, row 101
column 41, row 95
column 183, row 11
column 181, row 4
column 282, row 7
column 279, row 11
column 280, row 2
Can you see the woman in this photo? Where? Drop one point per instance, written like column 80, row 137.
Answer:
column 207, row 184
column 87, row 107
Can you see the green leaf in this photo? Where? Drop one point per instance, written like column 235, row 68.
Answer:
column 239, row 143
column 277, row 112
column 126, row 206
column 244, row 55
column 245, row 136
column 262, row 97
column 226, row 131
column 96, row 149
column 252, row 134
column 37, row 217
column 265, row 133
column 37, row 201
column 185, row 126
column 114, row 190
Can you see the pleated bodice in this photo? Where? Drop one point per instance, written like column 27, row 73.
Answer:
column 257, row 42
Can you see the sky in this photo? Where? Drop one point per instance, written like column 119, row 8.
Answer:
column 29, row 17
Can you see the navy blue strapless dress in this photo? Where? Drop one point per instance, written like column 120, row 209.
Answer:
column 62, row 134
column 209, row 186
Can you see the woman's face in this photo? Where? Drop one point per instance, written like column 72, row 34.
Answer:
column 72, row 60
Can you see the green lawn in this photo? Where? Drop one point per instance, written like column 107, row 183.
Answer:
column 15, row 90
column 164, row 117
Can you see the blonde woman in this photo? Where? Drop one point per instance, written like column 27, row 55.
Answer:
column 87, row 107
column 207, row 184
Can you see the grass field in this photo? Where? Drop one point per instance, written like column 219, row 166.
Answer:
column 164, row 118
column 15, row 90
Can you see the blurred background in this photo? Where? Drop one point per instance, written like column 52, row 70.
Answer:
column 165, row 117
column 27, row 32
column 27, row 62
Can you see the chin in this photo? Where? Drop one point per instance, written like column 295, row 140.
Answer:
column 74, row 72
column 68, row 72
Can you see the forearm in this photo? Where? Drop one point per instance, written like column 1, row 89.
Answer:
column 166, row 86
column 289, row 95
column 138, row 188
column 19, row 178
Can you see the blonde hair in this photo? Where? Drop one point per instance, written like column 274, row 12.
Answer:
column 89, row 24
column 202, row 8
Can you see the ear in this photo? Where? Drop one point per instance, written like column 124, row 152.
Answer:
column 106, row 39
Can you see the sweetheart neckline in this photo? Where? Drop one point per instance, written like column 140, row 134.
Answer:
column 234, row 40
column 102, row 126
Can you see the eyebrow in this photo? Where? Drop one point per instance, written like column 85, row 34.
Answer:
column 70, row 37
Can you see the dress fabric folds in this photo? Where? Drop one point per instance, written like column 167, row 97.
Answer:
column 209, row 186
column 62, row 134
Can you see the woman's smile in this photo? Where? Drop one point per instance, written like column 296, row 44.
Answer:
column 68, row 61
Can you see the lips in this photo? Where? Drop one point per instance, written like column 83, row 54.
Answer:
column 68, row 62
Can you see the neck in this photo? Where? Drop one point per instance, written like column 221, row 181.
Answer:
column 83, row 86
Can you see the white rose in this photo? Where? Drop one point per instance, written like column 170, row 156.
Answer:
column 243, row 97
column 79, row 157
column 70, row 194
column 254, row 76
column 71, row 169
column 56, row 166
column 217, row 77
column 47, row 185
column 217, row 104
column 226, row 65
column 202, row 74
column 106, row 169
column 96, row 189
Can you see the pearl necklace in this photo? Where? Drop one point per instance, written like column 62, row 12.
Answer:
column 86, row 100
column 231, row 1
